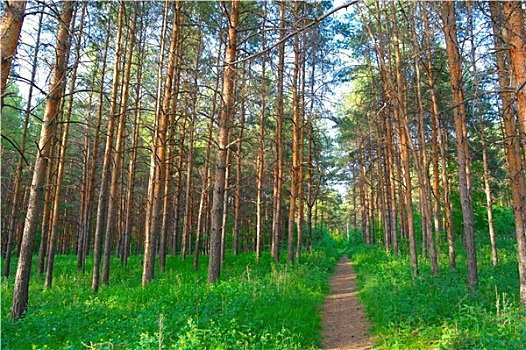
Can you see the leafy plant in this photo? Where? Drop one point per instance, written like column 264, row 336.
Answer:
column 254, row 306
column 426, row 311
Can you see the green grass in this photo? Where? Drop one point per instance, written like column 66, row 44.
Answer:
column 437, row 312
column 254, row 306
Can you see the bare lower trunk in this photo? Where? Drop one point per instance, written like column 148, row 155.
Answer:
column 421, row 163
column 448, row 218
column 62, row 159
column 158, row 161
column 464, row 181
column 132, row 166
column 46, row 211
column 295, row 146
column 239, row 184
column 278, row 171
column 187, row 222
column 18, row 175
column 261, row 155
column 113, row 204
column 515, row 129
column 225, row 203
column 225, row 123
column 204, row 199
column 102, row 205
column 478, row 112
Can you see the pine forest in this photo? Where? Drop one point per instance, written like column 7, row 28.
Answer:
column 201, row 174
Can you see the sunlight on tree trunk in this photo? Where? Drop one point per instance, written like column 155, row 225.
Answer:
column 10, row 29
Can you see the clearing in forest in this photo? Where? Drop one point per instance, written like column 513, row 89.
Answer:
column 344, row 323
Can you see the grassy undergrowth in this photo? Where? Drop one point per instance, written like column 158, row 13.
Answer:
column 428, row 312
column 254, row 306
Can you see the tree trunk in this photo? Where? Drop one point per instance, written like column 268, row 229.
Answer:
column 188, row 211
column 421, row 161
column 300, row 222
column 132, row 164
column 513, row 142
column 87, row 205
column 421, row 164
column 62, row 155
column 478, row 112
column 516, row 37
column 362, row 178
column 278, row 170
column 517, row 44
column 389, row 89
column 448, row 220
column 295, row 144
column 48, row 203
column 204, row 198
column 158, row 161
column 187, row 222
column 239, row 185
column 49, row 123
column 464, row 181
column 102, row 205
column 225, row 122
column 312, row 190
column 167, row 225
column 112, row 213
column 225, row 201
column 19, row 167
column 394, row 111
column 10, row 29
column 167, row 220
column 261, row 146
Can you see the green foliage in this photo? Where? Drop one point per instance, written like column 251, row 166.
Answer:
column 428, row 311
column 503, row 221
column 255, row 305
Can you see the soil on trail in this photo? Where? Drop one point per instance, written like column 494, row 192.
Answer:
column 345, row 326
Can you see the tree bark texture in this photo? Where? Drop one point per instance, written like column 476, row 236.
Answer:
column 19, row 167
column 10, row 29
column 102, row 205
column 278, row 170
column 49, row 123
column 514, row 146
column 158, row 161
column 459, row 113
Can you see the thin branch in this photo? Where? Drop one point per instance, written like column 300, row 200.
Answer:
column 298, row 31
column 16, row 148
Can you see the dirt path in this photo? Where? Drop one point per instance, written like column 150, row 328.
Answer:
column 345, row 326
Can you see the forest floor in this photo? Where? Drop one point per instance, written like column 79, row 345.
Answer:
column 345, row 325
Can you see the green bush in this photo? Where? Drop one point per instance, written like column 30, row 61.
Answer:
column 503, row 221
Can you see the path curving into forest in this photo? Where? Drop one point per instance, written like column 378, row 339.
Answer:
column 345, row 326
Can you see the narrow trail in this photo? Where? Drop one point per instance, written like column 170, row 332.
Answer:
column 345, row 326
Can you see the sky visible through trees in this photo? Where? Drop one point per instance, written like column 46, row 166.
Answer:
column 206, row 128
